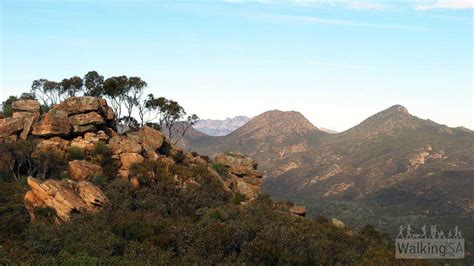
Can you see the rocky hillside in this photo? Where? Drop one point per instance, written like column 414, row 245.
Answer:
column 74, row 191
column 220, row 127
column 367, row 169
column 82, row 123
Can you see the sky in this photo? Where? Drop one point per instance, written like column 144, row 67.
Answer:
column 336, row 62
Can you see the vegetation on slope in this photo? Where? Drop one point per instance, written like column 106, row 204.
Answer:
column 160, row 223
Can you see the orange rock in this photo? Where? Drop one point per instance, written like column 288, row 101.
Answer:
column 64, row 196
column 83, row 170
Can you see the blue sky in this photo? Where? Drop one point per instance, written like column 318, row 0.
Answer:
column 337, row 62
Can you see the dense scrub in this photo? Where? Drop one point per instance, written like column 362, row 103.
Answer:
column 162, row 223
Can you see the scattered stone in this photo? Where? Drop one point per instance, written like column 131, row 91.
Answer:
column 338, row 223
column 298, row 210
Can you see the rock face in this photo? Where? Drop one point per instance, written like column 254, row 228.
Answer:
column 10, row 126
column 53, row 123
column 86, row 119
column 29, row 119
column 64, row 196
column 243, row 175
column 81, row 170
column 77, row 105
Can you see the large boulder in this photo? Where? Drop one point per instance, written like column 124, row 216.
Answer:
column 148, row 137
column 77, row 105
column 122, row 144
column 64, row 196
column 10, row 126
column 81, row 170
column 91, row 118
column 31, row 106
column 128, row 159
column 53, row 123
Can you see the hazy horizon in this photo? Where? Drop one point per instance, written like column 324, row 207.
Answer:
column 335, row 62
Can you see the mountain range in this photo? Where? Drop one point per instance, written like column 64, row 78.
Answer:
column 220, row 127
column 392, row 168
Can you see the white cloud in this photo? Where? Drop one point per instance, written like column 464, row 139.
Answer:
column 446, row 4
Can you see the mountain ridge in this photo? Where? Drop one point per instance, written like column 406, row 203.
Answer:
column 365, row 165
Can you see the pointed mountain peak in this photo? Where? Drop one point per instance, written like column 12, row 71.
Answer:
column 397, row 109
column 385, row 122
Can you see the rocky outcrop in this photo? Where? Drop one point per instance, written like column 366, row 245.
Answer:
column 64, row 196
column 74, row 116
column 81, row 170
column 78, row 125
column 239, row 164
column 243, row 176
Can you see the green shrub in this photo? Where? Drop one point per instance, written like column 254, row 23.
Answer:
column 102, row 155
column 50, row 163
column 45, row 215
column 237, row 198
column 149, row 172
column 81, row 260
column 75, row 153
column 98, row 180
column 223, row 170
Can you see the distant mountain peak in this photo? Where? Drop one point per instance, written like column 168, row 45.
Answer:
column 214, row 127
